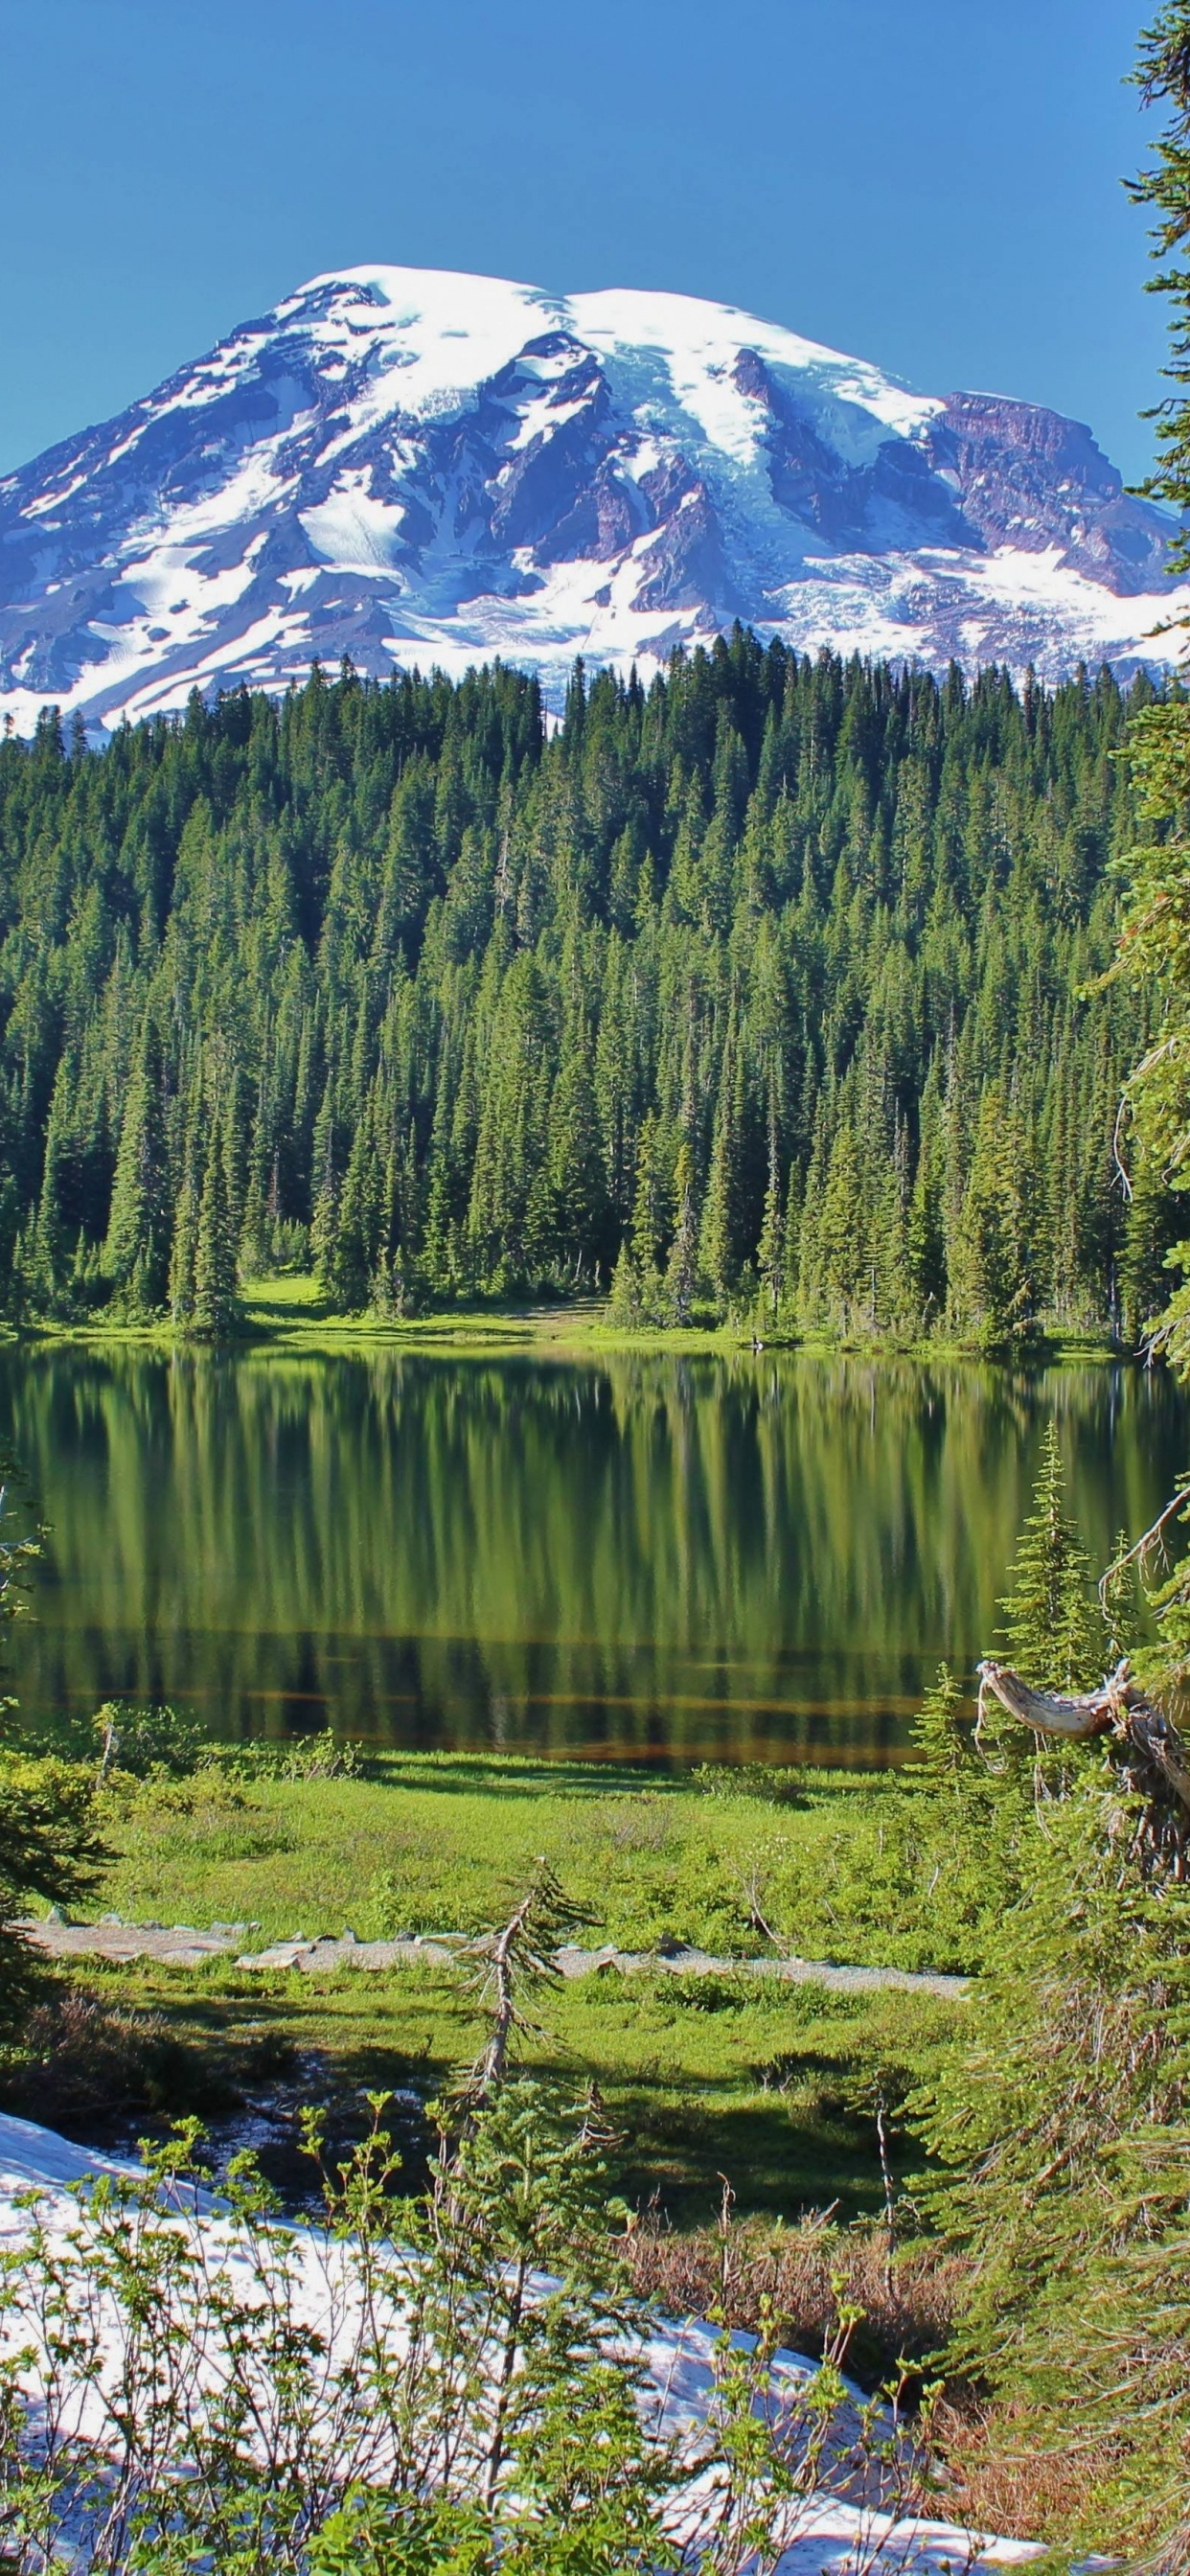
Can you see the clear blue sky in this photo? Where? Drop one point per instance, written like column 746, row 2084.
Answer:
column 934, row 184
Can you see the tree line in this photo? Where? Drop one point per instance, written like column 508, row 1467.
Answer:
column 770, row 987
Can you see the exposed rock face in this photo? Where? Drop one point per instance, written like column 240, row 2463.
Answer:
column 412, row 466
column 1029, row 478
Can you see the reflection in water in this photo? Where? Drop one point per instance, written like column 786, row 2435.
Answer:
column 645, row 1555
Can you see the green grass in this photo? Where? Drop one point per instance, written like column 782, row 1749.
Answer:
column 698, row 2079
column 432, row 1842
column 701, row 2078
column 291, row 1311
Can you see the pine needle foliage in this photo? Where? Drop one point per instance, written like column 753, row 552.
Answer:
column 48, row 1843
column 1053, row 1631
column 942, row 1743
column 776, row 972
column 1061, row 2125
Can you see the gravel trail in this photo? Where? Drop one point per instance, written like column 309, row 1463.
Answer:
column 182, row 1946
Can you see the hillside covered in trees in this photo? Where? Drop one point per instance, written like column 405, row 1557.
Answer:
column 767, row 984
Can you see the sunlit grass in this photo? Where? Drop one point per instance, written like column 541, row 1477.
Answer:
column 439, row 1842
column 698, row 2080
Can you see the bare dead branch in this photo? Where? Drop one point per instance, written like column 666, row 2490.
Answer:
column 1136, row 1555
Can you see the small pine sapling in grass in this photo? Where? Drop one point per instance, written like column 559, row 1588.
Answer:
column 943, row 1755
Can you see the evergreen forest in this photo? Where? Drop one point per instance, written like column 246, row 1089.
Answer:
column 772, row 990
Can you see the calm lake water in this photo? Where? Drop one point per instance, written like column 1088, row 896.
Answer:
column 669, row 1559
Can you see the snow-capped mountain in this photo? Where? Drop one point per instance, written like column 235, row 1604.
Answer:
column 409, row 465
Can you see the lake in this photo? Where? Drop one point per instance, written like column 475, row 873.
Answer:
column 671, row 1559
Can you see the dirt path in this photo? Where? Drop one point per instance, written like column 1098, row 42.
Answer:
column 182, row 1946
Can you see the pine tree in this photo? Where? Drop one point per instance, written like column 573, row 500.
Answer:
column 215, row 1247
column 681, row 1273
column 1053, row 1630
column 136, row 1252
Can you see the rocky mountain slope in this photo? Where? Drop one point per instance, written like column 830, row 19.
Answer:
column 414, row 466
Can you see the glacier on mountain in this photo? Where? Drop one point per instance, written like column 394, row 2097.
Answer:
column 412, row 466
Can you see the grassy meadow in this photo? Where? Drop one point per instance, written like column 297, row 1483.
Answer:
column 701, row 2078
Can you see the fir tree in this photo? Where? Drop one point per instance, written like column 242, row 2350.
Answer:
column 991, row 1289
column 942, row 1743
column 791, row 1252
column 183, row 1259
column 681, row 1273
column 1151, row 1228
column 137, row 1249
column 47, row 1255
column 215, row 1246
column 771, row 1249
column 650, row 1210
column 575, row 1155
column 346, row 1259
column 719, row 1233
column 1053, row 1630
column 625, row 1304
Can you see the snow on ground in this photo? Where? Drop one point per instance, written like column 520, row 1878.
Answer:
column 822, row 2534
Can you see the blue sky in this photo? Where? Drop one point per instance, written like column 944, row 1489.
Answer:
column 934, row 184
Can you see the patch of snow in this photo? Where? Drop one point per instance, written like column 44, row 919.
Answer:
column 678, row 2358
column 351, row 529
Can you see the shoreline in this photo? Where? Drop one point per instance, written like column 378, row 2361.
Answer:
column 287, row 1315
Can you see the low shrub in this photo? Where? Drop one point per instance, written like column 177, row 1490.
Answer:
column 777, row 1785
column 746, row 2269
column 85, row 2062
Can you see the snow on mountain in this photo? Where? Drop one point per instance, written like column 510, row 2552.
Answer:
column 415, row 466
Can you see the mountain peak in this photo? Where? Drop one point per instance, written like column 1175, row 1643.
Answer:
column 417, row 465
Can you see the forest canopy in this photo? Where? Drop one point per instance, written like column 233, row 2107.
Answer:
column 774, row 983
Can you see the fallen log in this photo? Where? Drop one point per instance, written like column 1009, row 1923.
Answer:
column 1152, row 1752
